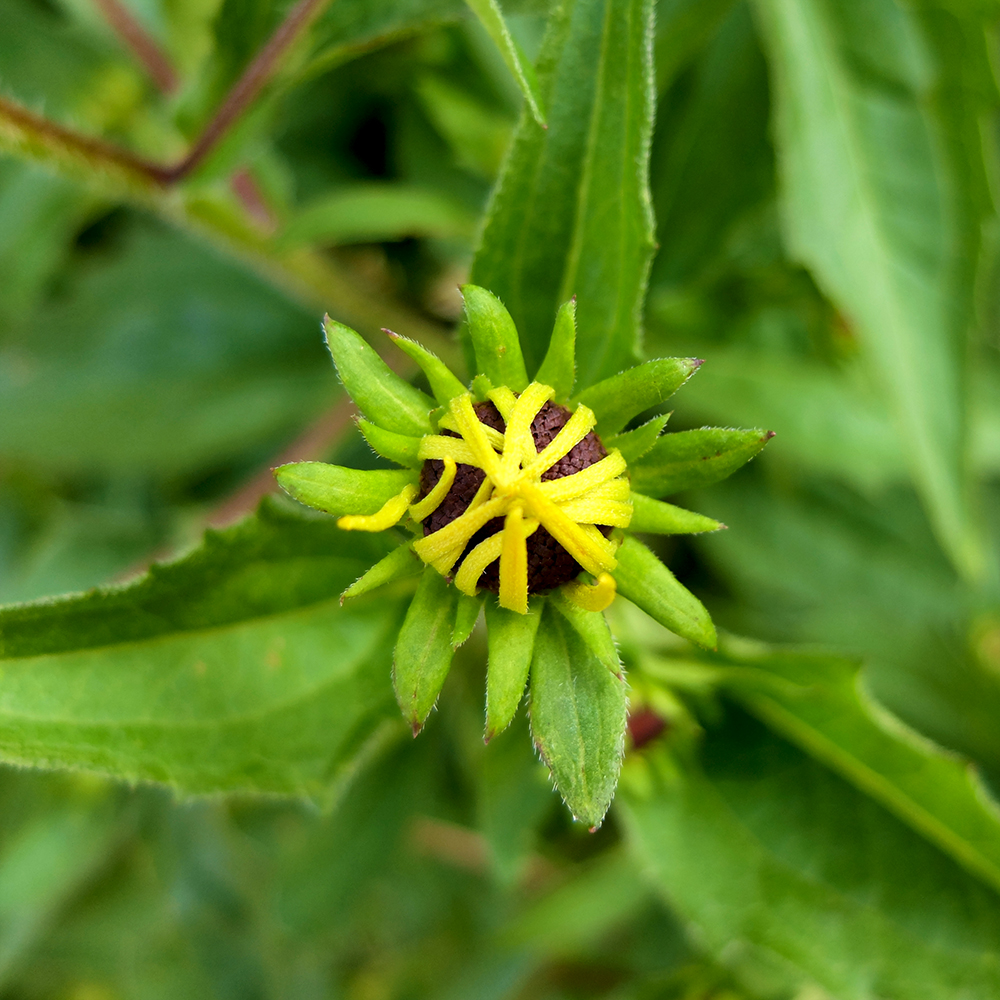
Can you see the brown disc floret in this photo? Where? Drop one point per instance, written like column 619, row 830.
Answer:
column 549, row 564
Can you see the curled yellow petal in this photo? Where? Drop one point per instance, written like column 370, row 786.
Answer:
column 392, row 510
column 459, row 531
column 430, row 503
column 495, row 437
column 503, row 399
column 595, row 598
column 476, row 561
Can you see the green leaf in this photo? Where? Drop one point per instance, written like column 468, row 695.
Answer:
column 558, row 369
column 618, row 399
column 795, row 877
column 881, row 205
column 494, row 339
column 376, row 213
column 648, row 584
column 399, row 448
column 444, row 384
column 577, row 718
column 336, row 490
column 571, row 213
column 593, row 627
column 690, row 459
column 635, row 443
column 140, row 384
column 466, row 616
column 820, row 704
column 659, row 518
column 489, row 13
column 424, row 650
column 381, row 395
column 511, row 640
column 400, row 563
column 234, row 668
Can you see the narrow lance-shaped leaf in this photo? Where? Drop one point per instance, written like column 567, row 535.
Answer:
column 381, row 395
column 819, row 703
column 466, row 616
column 424, row 650
column 659, row 518
column 337, row 490
column 648, row 584
column 511, row 639
column 691, row 459
column 635, row 443
column 879, row 205
column 494, row 339
column 577, row 718
column 444, row 384
column 559, row 367
column 398, row 564
column 618, row 399
column 571, row 214
column 489, row 13
column 399, row 448
column 774, row 859
column 593, row 627
column 234, row 668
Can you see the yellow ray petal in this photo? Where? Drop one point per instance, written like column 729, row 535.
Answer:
column 476, row 561
column 430, row 503
column 503, row 399
column 439, row 446
column 585, row 510
column 392, row 510
column 594, row 554
column 570, row 435
column 475, row 435
column 568, row 487
column 595, row 598
column 514, row 563
column 495, row 437
column 520, row 446
column 459, row 531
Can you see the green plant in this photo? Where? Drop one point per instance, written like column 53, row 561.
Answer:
column 208, row 787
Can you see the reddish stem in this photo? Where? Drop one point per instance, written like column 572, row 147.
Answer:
column 149, row 55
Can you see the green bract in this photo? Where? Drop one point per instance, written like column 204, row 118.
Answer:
column 556, row 643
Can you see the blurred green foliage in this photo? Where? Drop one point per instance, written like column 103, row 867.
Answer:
column 821, row 173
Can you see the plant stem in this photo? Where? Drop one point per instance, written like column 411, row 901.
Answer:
column 147, row 53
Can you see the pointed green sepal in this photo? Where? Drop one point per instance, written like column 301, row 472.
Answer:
column 338, row 491
column 659, row 518
column 399, row 448
column 466, row 616
column 400, row 563
column 648, row 584
column 424, row 650
column 381, row 395
column 481, row 388
column 691, row 459
column 444, row 384
column 618, row 399
column 592, row 627
column 559, row 367
column 511, row 639
column 577, row 718
column 635, row 443
column 494, row 339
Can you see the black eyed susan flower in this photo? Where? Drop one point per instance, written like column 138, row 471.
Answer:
column 517, row 495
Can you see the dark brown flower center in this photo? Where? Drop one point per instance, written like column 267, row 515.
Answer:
column 549, row 564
